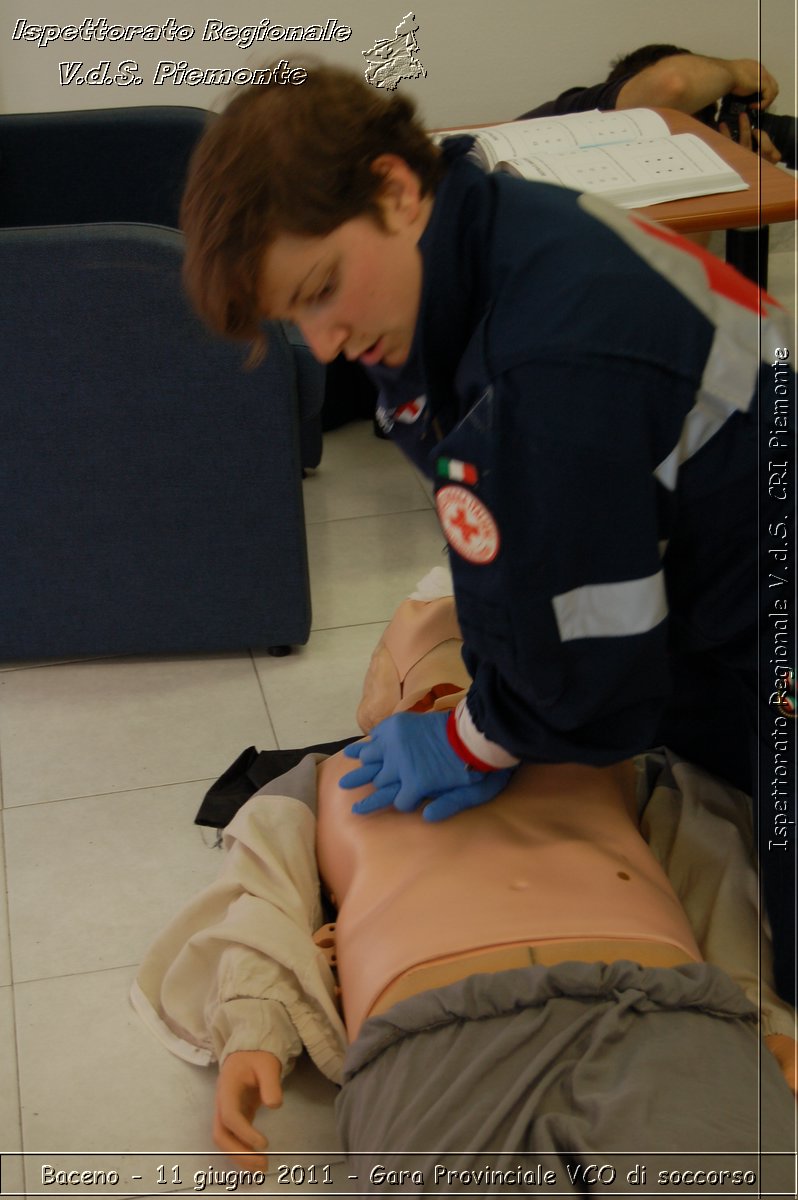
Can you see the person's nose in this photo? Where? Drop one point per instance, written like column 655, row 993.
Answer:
column 325, row 339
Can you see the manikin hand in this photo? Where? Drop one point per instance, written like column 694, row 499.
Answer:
column 408, row 758
column 247, row 1079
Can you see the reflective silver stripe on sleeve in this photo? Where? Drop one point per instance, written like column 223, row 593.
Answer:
column 701, row 423
column 611, row 609
column 730, row 372
column 743, row 336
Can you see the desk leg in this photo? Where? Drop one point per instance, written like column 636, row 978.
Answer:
column 747, row 250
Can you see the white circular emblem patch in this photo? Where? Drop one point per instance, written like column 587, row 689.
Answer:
column 469, row 526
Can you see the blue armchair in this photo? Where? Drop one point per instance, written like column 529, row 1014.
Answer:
column 150, row 487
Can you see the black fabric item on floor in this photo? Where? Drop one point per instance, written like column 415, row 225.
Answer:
column 248, row 774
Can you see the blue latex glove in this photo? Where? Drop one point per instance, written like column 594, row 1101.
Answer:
column 409, row 759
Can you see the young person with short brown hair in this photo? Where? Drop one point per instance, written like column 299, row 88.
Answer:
column 588, row 392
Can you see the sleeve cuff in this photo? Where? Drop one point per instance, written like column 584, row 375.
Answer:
column 255, row 1024
column 472, row 746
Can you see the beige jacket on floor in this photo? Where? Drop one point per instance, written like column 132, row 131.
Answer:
column 238, row 969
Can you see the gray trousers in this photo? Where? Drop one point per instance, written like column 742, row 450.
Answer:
column 615, row 1078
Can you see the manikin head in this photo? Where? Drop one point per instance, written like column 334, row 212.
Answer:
column 306, row 203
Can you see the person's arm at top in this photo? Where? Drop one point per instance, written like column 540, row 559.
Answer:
column 689, row 82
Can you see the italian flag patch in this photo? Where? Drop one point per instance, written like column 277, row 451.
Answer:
column 453, row 468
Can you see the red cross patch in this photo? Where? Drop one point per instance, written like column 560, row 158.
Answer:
column 411, row 411
column 468, row 525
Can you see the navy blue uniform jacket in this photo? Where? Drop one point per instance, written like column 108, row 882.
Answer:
column 587, row 388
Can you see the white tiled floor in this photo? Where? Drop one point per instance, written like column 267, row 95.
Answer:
column 104, row 764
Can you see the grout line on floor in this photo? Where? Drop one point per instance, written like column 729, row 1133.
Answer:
column 350, row 625
column 17, row 1070
column 12, row 993
column 378, row 516
column 275, row 739
column 152, row 787
column 393, row 512
column 20, row 983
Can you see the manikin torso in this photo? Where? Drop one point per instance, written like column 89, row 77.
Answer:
column 553, row 869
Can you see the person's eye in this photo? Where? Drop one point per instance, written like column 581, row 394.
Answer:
column 325, row 292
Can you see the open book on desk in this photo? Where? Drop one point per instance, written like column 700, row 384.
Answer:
column 628, row 156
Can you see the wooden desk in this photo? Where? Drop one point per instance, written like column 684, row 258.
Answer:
column 769, row 198
column 745, row 216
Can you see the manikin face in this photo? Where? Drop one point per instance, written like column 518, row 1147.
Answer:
column 357, row 290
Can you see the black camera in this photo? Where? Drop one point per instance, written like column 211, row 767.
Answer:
column 733, row 107
column 780, row 129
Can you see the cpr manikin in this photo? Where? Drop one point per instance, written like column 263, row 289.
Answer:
column 548, row 896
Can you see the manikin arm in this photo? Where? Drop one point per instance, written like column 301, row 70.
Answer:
column 247, row 1080
column 237, row 976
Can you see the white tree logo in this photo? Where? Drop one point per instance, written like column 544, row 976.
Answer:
column 392, row 59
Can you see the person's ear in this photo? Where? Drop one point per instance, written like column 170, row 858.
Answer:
column 399, row 197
